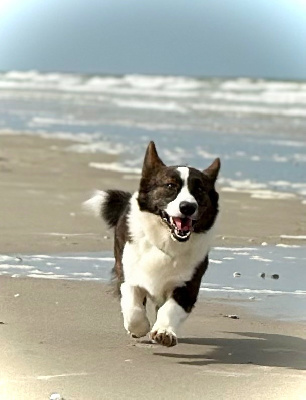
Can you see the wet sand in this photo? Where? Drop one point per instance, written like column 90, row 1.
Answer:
column 67, row 337
column 43, row 186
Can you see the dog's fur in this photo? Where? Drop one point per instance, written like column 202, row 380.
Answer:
column 162, row 239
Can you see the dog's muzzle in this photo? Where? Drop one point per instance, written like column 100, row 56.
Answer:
column 180, row 228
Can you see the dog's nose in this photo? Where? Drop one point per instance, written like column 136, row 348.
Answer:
column 187, row 208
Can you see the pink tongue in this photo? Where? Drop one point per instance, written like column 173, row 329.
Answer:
column 182, row 224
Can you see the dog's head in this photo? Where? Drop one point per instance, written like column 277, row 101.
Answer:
column 183, row 197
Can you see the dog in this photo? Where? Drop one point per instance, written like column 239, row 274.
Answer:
column 163, row 234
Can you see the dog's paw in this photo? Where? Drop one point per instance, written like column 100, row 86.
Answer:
column 165, row 337
column 140, row 330
column 138, row 325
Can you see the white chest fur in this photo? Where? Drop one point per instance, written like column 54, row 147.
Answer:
column 153, row 260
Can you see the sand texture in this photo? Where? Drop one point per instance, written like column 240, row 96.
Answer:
column 67, row 337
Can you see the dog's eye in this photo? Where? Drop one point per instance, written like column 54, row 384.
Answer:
column 170, row 185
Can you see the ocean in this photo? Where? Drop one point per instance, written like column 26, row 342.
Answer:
column 256, row 127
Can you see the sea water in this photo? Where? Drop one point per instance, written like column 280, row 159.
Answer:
column 257, row 127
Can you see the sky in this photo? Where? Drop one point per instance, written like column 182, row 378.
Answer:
column 206, row 38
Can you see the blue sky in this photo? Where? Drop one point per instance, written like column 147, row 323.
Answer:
column 253, row 38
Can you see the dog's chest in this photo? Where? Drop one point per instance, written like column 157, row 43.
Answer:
column 158, row 271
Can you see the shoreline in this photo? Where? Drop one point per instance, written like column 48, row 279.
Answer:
column 268, row 281
column 45, row 185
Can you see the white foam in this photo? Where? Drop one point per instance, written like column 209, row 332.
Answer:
column 6, row 258
column 44, row 276
column 271, row 195
column 260, row 85
column 48, row 377
column 39, row 121
column 259, row 190
column 248, row 291
column 158, row 106
column 16, row 266
column 280, row 183
column 258, row 258
column 80, row 137
column 41, row 256
column 293, row 246
column 115, row 167
column 236, row 248
column 249, row 109
column 299, row 187
column 297, row 237
column 98, row 147
column 84, row 274
column 266, row 97
column 205, row 154
column 287, row 143
column 242, row 185
column 158, row 82
column 38, row 271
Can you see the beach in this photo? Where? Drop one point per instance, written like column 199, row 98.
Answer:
column 45, row 186
column 66, row 336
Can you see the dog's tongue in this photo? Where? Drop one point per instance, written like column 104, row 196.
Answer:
column 183, row 224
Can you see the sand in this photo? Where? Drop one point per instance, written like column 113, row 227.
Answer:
column 66, row 337
column 43, row 186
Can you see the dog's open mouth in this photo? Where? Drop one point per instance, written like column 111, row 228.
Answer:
column 180, row 228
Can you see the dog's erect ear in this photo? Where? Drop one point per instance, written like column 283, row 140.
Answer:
column 151, row 160
column 213, row 170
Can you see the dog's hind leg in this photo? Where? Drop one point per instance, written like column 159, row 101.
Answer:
column 133, row 309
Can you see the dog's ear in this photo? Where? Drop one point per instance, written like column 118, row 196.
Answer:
column 151, row 160
column 213, row 170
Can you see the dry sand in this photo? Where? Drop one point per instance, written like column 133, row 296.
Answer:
column 67, row 337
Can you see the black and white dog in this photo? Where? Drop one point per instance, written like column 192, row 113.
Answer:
column 163, row 234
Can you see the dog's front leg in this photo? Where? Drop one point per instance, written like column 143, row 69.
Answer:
column 169, row 318
column 133, row 310
column 177, row 308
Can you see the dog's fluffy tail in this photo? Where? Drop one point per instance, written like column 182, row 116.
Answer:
column 109, row 205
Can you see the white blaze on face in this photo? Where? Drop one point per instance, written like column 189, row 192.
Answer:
column 173, row 208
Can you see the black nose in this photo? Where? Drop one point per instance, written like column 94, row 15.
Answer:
column 187, row 208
